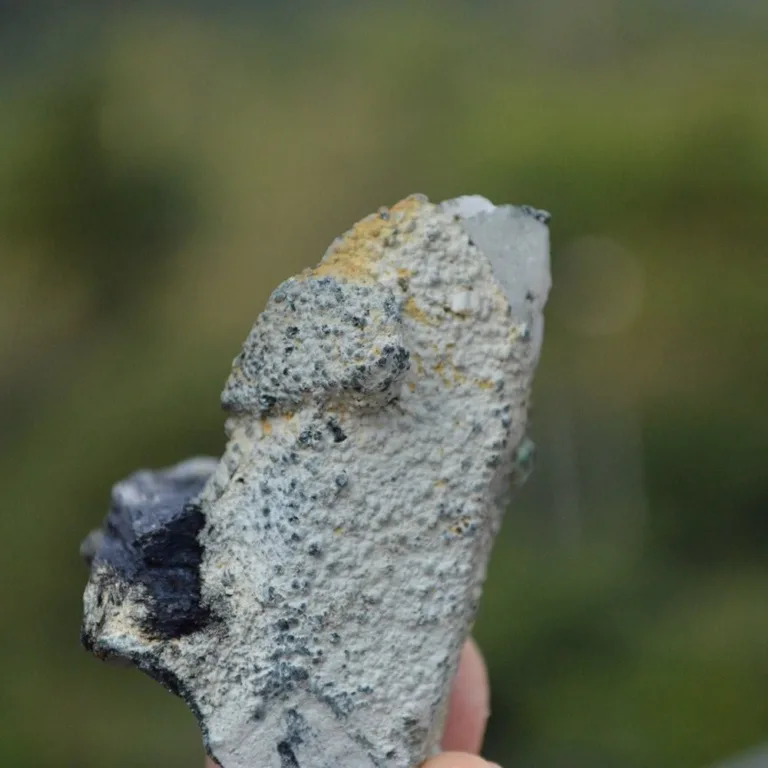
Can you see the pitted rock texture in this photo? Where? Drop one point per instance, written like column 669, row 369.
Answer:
column 308, row 595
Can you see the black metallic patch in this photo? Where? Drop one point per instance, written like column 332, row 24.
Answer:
column 150, row 537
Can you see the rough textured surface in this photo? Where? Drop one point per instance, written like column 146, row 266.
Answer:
column 308, row 594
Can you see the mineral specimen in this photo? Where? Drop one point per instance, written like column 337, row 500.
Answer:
column 308, row 594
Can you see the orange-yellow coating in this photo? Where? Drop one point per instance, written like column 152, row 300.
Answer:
column 445, row 368
column 352, row 256
column 412, row 309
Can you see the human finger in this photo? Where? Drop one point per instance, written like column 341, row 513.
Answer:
column 457, row 760
column 469, row 704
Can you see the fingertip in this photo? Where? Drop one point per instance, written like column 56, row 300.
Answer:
column 475, row 675
column 456, row 760
column 469, row 705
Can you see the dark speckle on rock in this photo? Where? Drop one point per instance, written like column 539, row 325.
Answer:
column 287, row 755
column 339, row 436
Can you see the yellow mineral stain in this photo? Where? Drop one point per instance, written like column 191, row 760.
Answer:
column 352, row 256
column 484, row 383
column 449, row 373
column 412, row 386
column 347, row 264
column 441, row 368
column 412, row 309
column 410, row 205
column 266, row 427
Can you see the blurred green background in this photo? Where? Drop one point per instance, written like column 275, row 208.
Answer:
column 161, row 170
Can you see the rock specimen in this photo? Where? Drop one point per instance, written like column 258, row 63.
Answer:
column 308, row 594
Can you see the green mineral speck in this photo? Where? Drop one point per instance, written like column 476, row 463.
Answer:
column 525, row 458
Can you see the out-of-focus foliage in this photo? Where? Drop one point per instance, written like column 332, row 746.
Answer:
column 161, row 171
column 72, row 195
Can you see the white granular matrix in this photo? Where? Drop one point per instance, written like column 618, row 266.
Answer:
column 308, row 594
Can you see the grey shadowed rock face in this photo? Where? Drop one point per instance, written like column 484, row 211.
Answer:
column 309, row 593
